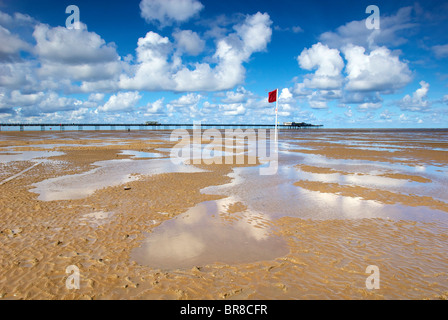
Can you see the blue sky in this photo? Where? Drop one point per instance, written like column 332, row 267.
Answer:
column 179, row 61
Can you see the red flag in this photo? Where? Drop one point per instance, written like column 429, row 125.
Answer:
column 273, row 96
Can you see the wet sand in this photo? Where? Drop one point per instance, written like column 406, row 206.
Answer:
column 340, row 202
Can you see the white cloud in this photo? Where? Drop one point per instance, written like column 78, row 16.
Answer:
column 186, row 100
column 155, row 71
column 356, row 33
column 17, row 75
column 241, row 95
column 123, row 101
column 316, row 104
column 186, row 105
column 72, row 47
column 440, row 51
column 78, row 115
column 286, row 103
column 378, row 71
column 329, row 65
column 297, row 29
column 300, row 90
column 81, row 72
column 403, row 118
column 52, row 102
column 418, row 101
column 367, row 106
column 359, row 97
column 96, row 97
column 166, row 12
column 349, row 113
column 286, row 96
column 233, row 109
column 11, row 45
column 445, row 98
column 78, row 55
column 189, row 42
column 232, row 51
column 19, row 99
column 386, row 115
column 154, row 107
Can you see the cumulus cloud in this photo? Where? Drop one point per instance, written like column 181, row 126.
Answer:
column 359, row 97
column 96, row 97
column 285, row 96
column 186, row 105
column 328, row 63
column 78, row 115
column 233, row 109
column 17, row 75
column 238, row 96
column 167, row 12
column 72, row 47
column 75, row 54
column 286, row 103
column 153, row 69
column 445, row 99
column 355, row 32
column 350, row 66
column 19, row 99
column 123, row 101
column 386, row 115
column 316, row 104
column 368, row 106
column 189, row 41
column 186, row 100
column 156, row 71
column 418, row 101
column 378, row 71
column 300, row 90
column 43, row 103
column 153, row 108
column 349, row 113
column 16, row 20
column 11, row 45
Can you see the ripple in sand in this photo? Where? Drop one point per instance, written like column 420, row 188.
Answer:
column 96, row 219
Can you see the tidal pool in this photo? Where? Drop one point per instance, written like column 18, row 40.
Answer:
column 107, row 173
column 207, row 234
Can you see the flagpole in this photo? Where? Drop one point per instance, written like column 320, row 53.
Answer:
column 276, row 117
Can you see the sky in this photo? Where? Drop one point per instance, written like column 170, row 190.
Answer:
column 183, row 61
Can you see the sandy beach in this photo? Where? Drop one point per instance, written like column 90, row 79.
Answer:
column 340, row 202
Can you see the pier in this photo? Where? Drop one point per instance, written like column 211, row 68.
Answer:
column 145, row 126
